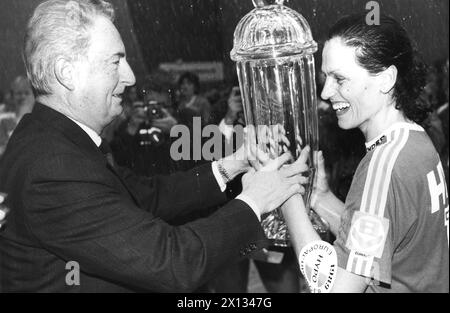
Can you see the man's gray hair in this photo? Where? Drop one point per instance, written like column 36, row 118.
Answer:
column 59, row 28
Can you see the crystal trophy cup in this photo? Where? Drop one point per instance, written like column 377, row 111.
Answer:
column 273, row 50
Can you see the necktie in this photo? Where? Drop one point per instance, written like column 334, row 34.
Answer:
column 105, row 148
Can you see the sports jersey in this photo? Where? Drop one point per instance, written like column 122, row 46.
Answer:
column 394, row 229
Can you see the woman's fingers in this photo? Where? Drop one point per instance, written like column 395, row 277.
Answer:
column 299, row 166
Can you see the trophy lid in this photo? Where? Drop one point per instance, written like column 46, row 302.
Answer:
column 272, row 30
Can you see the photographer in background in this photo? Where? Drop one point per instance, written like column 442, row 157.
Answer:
column 142, row 142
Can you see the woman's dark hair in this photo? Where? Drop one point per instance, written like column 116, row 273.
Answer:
column 192, row 78
column 380, row 46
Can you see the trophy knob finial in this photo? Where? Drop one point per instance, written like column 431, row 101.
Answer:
column 262, row 3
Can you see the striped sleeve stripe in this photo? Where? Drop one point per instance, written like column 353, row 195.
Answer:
column 368, row 267
column 351, row 262
column 382, row 174
column 379, row 173
column 370, row 179
column 387, row 179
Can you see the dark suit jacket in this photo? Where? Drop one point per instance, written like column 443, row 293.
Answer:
column 67, row 204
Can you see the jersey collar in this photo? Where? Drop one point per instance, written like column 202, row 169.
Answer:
column 386, row 135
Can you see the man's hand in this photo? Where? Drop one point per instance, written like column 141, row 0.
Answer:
column 275, row 183
column 3, row 210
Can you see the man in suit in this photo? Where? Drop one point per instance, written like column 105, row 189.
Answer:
column 78, row 223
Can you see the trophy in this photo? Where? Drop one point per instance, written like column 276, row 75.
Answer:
column 273, row 50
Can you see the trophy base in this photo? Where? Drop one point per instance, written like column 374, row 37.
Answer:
column 279, row 229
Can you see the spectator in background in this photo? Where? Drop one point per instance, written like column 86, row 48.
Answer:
column 6, row 105
column 222, row 111
column 22, row 97
column 142, row 141
column 22, row 102
column 219, row 103
column 432, row 88
column 159, row 97
column 190, row 102
column 431, row 97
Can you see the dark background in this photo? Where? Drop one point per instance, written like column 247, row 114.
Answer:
column 156, row 31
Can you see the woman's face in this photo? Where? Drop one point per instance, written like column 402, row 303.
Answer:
column 187, row 88
column 352, row 90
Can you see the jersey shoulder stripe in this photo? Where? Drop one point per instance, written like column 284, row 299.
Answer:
column 379, row 173
column 375, row 190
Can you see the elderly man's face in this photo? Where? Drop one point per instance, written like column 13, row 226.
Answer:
column 102, row 77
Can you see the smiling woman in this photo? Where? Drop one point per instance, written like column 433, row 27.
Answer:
column 391, row 218
column 394, row 65
column 371, row 83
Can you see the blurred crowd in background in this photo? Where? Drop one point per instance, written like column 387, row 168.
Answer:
column 140, row 139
